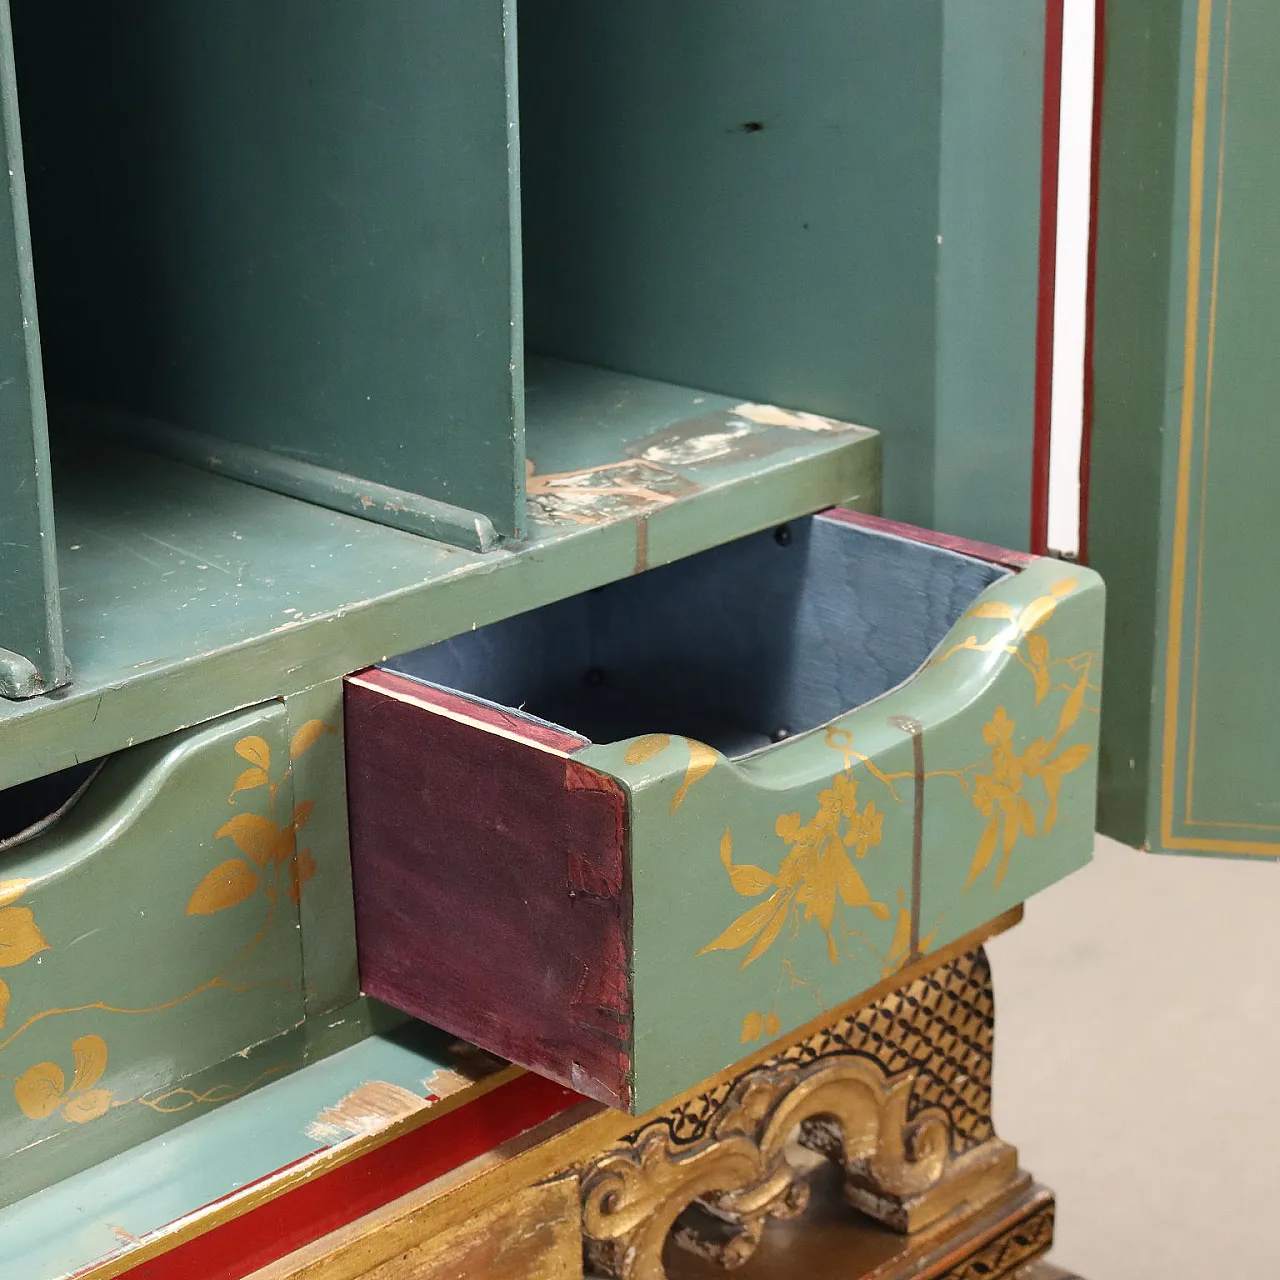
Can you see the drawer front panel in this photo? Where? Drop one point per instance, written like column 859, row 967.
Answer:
column 149, row 934
column 762, row 882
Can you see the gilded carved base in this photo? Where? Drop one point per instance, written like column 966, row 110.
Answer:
column 897, row 1095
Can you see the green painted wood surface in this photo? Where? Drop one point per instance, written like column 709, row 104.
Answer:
column 1200, row 773
column 31, row 653
column 150, row 934
column 832, row 206
column 1131, row 379
column 93, row 1215
column 326, row 913
column 187, row 594
column 303, row 234
column 769, row 889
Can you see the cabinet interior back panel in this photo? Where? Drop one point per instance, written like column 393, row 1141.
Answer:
column 739, row 195
column 287, row 224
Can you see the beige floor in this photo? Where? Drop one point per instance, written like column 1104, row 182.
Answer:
column 1137, row 1061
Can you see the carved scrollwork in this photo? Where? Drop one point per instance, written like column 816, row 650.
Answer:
column 897, row 1095
column 740, row 1174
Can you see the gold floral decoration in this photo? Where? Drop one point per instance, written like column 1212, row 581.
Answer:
column 998, row 789
column 755, row 1025
column 273, row 861
column 41, row 1090
column 20, row 936
column 815, row 874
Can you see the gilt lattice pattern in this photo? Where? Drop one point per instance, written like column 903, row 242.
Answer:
column 942, row 1026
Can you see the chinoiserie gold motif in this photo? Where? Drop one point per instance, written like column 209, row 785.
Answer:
column 817, row 879
column 273, row 865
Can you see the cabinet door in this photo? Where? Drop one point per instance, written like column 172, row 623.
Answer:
column 31, row 656
column 1184, row 521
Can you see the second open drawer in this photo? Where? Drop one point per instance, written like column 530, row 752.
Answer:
column 626, row 838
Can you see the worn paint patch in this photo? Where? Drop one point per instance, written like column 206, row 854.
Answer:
column 749, row 432
column 769, row 415
column 597, row 495
column 680, row 448
column 368, row 1109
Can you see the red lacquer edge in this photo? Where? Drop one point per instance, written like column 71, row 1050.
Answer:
column 1090, row 301
column 1051, row 127
column 302, row 1215
column 930, row 537
column 499, row 718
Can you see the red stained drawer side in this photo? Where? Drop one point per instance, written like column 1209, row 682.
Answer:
column 491, row 885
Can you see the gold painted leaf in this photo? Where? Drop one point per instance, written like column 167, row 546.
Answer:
column 1072, row 707
column 1071, row 759
column 255, row 751
column 643, row 749
column 1010, row 833
column 769, row 936
column 301, row 813
column 4, row 1001
column 307, row 736
column 39, row 1090
column 1064, row 587
column 11, row 891
column 752, row 1028
column 88, row 1106
column 1038, row 652
column 745, row 927
column 91, row 1061
column 702, row 760
column 789, row 827
column 249, row 779
column 227, row 885
column 771, row 1025
column 1037, row 612
column 993, row 609
column 257, row 836
column 20, row 939
column 747, row 880
column 985, row 850
column 853, row 888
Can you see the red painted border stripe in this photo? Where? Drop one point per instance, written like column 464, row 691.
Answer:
column 1090, row 302
column 1051, row 126
column 930, row 537
column 313, row 1209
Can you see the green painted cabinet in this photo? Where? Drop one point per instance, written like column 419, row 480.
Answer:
column 369, row 326
column 32, row 659
column 1183, row 518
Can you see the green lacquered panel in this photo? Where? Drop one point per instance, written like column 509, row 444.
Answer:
column 325, row 912
column 149, row 934
column 1206, row 783
column 831, row 205
column 769, row 889
column 290, row 226
column 31, row 653
column 187, row 593
column 101, row 1213
column 1132, row 302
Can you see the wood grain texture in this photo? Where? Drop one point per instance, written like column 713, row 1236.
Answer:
column 491, row 886
column 533, row 1235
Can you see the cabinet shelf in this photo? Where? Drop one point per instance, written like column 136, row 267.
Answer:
column 185, row 593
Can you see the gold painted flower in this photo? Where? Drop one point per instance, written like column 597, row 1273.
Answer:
column 815, row 876
column 997, row 792
column 42, row 1089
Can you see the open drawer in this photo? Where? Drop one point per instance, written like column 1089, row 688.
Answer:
column 626, row 838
